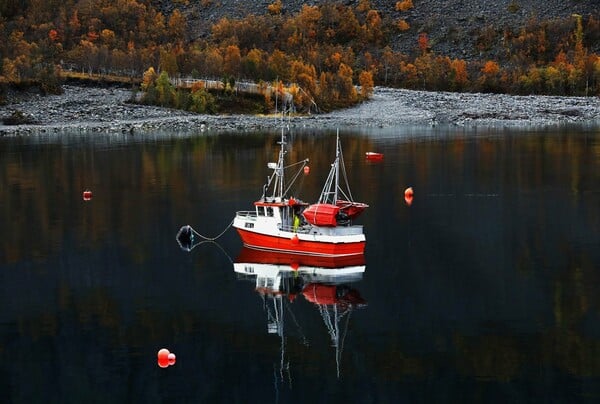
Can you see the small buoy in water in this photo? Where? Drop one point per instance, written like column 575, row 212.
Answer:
column 163, row 357
column 374, row 156
column 171, row 359
column 163, row 354
column 306, row 170
column 408, row 196
column 87, row 195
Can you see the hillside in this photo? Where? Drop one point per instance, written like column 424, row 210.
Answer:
column 453, row 26
column 321, row 55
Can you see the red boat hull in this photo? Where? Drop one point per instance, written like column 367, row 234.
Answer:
column 296, row 246
column 282, row 258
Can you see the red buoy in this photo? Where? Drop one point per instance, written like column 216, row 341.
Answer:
column 171, row 359
column 408, row 196
column 374, row 156
column 87, row 195
column 295, row 239
column 306, row 170
column 163, row 354
column 164, row 358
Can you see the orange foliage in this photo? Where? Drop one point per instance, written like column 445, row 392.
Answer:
column 404, row 5
column 423, row 42
column 333, row 61
column 232, row 60
column 490, row 68
column 275, row 8
column 365, row 79
column 127, row 36
column 403, row 25
column 92, row 36
column 197, row 86
column 53, row 35
column 363, row 6
column 459, row 70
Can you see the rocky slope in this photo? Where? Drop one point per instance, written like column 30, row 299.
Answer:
column 452, row 25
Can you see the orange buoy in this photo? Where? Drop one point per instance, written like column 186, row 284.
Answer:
column 87, row 195
column 408, row 196
column 306, row 170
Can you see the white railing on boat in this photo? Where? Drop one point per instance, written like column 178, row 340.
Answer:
column 247, row 213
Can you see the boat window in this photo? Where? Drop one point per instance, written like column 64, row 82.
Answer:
column 249, row 225
column 261, row 210
column 269, row 211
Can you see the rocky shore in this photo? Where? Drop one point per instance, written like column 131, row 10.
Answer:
column 89, row 109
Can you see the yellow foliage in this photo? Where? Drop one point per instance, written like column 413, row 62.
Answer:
column 404, row 5
column 148, row 78
column 366, row 83
column 275, row 8
column 403, row 25
column 363, row 6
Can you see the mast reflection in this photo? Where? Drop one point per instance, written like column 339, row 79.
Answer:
column 322, row 281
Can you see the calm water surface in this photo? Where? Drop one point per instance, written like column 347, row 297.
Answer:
column 485, row 289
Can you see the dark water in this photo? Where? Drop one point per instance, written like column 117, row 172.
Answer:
column 485, row 289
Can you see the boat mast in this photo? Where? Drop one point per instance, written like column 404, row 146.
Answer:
column 337, row 166
column 279, row 180
column 278, row 172
column 329, row 194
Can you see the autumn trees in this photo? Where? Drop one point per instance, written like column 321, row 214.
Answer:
column 326, row 50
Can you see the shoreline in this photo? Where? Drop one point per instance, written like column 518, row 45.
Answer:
column 95, row 109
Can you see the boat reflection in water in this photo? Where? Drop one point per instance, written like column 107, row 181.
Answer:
column 322, row 281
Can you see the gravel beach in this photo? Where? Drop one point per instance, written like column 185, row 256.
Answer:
column 107, row 110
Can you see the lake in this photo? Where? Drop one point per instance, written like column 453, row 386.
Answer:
column 485, row 289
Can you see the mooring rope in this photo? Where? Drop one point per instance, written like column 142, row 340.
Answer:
column 187, row 237
column 209, row 238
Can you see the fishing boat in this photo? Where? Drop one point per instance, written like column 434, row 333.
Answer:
column 282, row 222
